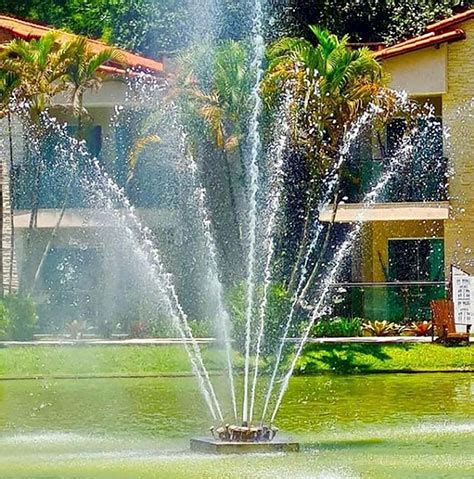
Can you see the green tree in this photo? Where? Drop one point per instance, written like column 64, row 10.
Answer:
column 81, row 73
column 331, row 85
column 42, row 69
column 223, row 103
column 364, row 20
column 39, row 66
column 217, row 100
column 164, row 27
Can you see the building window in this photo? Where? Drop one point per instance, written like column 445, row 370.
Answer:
column 427, row 141
column 416, row 260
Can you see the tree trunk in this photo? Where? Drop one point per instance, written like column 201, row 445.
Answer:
column 2, row 182
column 79, row 115
column 52, row 237
column 232, row 198
column 34, row 200
column 12, row 214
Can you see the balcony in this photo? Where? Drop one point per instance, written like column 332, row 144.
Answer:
column 149, row 188
column 420, row 180
column 392, row 301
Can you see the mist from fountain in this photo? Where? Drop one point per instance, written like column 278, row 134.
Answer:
column 402, row 154
column 106, row 195
column 277, row 153
column 253, row 185
column 222, row 317
column 331, row 182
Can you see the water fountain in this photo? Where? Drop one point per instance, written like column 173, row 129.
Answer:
column 253, row 428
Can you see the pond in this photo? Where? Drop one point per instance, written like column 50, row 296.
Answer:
column 373, row 426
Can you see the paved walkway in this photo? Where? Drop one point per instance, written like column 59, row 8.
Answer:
column 177, row 341
column 105, row 342
column 371, row 340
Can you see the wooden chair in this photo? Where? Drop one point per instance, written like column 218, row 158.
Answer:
column 444, row 327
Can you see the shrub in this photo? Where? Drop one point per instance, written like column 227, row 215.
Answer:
column 420, row 328
column 142, row 316
column 337, row 327
column 381, row 328
column 202, row 328
column 23, row 317
column 139, row 329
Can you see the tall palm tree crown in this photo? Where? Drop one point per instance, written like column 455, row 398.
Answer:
column 39, row 65
column 223, row 100
column 330, row 85
column 82, row 71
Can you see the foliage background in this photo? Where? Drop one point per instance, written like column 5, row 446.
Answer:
column 161, row 27
column 368, row 20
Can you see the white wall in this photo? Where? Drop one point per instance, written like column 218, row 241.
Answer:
column 423, row 72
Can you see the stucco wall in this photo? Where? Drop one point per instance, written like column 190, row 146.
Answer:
column 112, row 92
column 382, row 302
column 422, row 72
column 459, row 119
column 375, row 242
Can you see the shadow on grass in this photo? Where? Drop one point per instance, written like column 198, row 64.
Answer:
column 343, row 358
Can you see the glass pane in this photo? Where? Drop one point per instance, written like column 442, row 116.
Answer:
column 403, row 260
column 416, row 260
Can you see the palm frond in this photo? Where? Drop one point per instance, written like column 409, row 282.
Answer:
column 138, row 147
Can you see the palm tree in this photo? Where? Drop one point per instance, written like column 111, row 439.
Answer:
column 137, row 148
column 82, row 72
column 222, row 102
column 330, row 85
column 43, row 69
column 225, row 107
column 8, row 83
column 39, row 66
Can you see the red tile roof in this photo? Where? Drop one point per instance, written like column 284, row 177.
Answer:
column 28, row 31
column 437, row 33
column 451, row 21
column 418, row 43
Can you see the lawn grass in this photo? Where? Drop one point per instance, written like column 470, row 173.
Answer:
column 353, row 358
column 50, row 361
column 99, row 360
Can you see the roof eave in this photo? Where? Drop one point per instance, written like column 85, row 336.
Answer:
column 412, row 46
column 31, row 31
column 451, row 21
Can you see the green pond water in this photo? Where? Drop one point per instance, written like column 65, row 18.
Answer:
column 374, row 426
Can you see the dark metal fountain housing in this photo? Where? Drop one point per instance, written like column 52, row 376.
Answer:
column 231, row 439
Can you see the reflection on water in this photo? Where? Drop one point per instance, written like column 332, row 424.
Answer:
column 357, row 426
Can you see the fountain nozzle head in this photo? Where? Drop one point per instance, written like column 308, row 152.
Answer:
column 244, row 433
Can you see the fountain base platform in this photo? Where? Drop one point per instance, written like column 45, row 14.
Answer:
column 215, row 446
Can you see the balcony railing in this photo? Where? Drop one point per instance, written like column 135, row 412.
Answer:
column 391, row 301
column 55, row 185
column 417, row 181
